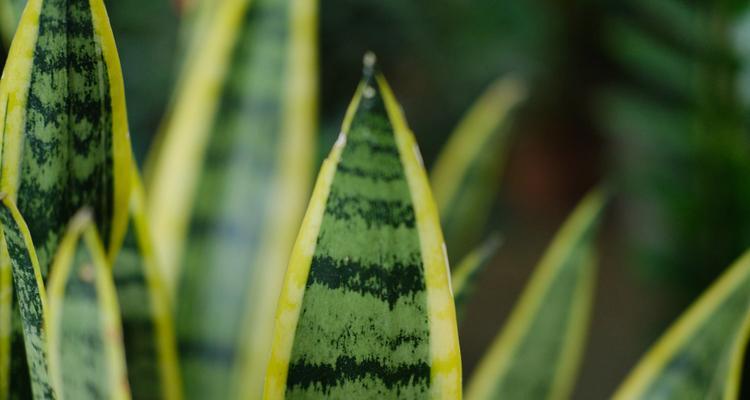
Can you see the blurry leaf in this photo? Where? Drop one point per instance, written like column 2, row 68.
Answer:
column 10, row 14
column 150, row 344
column 680, row 146
column 86, row 357
column 65, row 141
column 701, row 355
column 366, row 310
column 229, row 185
column 468, row 270
column 30, row 295
column 147, row 38
column 538, row 352
column 466, row 175
column 6, row 319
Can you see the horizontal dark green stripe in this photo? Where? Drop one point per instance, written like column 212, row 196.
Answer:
column 386, row 284
column 375, row 212
column 304, row 375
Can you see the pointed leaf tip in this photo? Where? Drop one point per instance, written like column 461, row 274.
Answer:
column 369, row 65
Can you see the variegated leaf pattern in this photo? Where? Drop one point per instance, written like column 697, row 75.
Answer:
column 229, row 184
column 64, row 133
column 86, row 356
column 701, row 355
column 537, row 354
column 464, row 276
column 31, row 302
column 64, row 139
column 366, row 309
column 148, row 328
column 467, row 173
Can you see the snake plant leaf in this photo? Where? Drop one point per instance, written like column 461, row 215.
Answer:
column 6, row 319
column 537, row 354
column 466, row 175
column 65, row 136
column 148, row 329
column 701, row 355
column 468, row 270
column 10, row 14
column 86, row 356
column 31, row 299
column 366, row 309
column 229, row 185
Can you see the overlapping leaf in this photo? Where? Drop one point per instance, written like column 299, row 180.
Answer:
column 86, row 356
column 468, row 270
column 229, row 184
column 64, row 132
column 701, row 355
column 366, row 310
column 31, row 298
column 148, row 329
column 536, row 356
column 467, row 173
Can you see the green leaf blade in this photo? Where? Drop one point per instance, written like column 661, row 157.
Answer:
column 366, row 307
column 530, row 359
column 467, row 172
column 30, row 300
column 701, row 354
column 85, row 334
column 229, row 185
column 468, row 270
column 65, row 136
column 148, row 328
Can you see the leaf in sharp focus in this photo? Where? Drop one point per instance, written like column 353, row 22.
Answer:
column 31, row 300
column 537, row 354
column 65, row 136
column 229, row 186
column 701, row 355
column 468, row 270
column 148, row 329
column 86, row 357
column 466, row 175
column 366, row 309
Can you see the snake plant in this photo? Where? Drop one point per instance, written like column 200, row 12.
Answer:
column 192, row 285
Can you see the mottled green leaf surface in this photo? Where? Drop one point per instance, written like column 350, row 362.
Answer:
column 148, row 329
column 85, row 335
column 366, row 311
column 469, row 269
column 31, row 300
column 466, row 175
column 537, row 354
column 701, row 355
column 229, row 186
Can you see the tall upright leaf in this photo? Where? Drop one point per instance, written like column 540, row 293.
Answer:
column 466, row 175
column 85, row 334
column 148, row 328
column 6, row 319
column 366, row 309
column 64, row 135
column 701, row 355
column 538, row 352
column 31, row 299
column 229, row 184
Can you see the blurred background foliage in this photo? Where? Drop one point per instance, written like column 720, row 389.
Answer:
column 652, row 97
